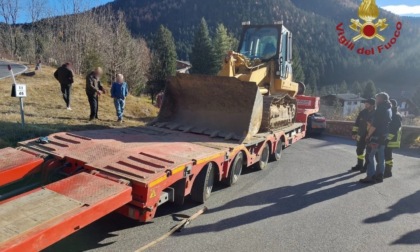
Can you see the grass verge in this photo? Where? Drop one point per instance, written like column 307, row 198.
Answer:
column 45, row 110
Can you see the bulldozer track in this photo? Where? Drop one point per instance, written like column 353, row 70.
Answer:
column 278, row 111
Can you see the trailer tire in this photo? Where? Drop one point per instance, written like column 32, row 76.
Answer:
column 235, row 170
column 203, row 184
column 265, row 155
column 276, row 156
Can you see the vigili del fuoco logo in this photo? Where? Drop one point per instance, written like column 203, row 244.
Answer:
column 369, row 28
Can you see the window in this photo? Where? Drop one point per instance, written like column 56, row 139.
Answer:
column 260, row 43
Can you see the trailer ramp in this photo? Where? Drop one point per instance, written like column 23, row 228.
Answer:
column 39, row 218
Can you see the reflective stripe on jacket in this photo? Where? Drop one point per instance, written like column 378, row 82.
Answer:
column 395, row 130
column 395, row 140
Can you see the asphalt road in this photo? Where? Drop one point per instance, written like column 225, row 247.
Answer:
column 4, row 71
column 308, row 201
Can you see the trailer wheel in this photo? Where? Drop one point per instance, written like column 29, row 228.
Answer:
column 276, row 156
column 203, row 184
column 235, row 170
column 262, row 164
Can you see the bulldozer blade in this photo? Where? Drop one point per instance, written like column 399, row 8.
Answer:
column 211, row 105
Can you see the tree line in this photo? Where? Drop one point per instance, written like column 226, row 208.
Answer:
column 102, row 37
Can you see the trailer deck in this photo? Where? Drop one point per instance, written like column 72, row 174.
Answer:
column 16, row 164
column 36, row 219
column 140, row 155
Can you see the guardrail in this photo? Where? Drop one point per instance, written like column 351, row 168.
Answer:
column 343, row 129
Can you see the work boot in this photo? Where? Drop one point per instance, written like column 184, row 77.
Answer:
column 388, row 171
column 379, row 178
column 356, row 168
column 367, row 180
column 364, row 169
column 359, row 165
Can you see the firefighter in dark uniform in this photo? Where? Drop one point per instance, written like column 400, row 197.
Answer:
column 359, row 134
column 394, row 138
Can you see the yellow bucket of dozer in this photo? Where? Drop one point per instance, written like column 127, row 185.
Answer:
column 212, row 105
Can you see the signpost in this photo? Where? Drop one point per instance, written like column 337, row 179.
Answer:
column 18, row 90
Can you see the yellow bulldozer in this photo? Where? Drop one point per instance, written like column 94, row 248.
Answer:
column 253, row 93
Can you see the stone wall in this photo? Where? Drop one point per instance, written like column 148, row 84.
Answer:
column 343, row 129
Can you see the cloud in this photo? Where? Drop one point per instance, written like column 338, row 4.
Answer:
column 403, row 10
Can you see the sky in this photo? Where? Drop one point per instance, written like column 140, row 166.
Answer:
column 401, row 7
column 55, row 7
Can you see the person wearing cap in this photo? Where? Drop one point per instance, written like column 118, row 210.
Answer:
column 394, row 138
column 359, row 132
column 94, row 89
column 377, row 137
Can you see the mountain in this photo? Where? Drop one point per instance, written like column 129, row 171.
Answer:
column 313, row 24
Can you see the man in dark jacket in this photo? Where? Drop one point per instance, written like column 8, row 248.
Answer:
column 94, row 89
column 376, row 138
column 394, row 138
column 359, row 134
column 64, row 75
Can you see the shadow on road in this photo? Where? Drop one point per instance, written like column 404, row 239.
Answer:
column 283, row 200
column 407, row 205
column 89, row 237
column 411, row 238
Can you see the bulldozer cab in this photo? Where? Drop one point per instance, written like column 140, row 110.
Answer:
column 268, row 42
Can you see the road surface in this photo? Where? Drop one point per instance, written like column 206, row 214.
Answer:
column 308, row 201
column 17, row 69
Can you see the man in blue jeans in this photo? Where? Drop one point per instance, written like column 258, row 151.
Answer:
column 119, row 92
column 376, row 138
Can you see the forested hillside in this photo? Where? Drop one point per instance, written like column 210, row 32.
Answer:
column 313, row 23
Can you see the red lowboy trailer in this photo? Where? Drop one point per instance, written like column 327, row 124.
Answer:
column 131, row 171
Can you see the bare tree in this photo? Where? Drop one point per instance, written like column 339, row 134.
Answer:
column 9, row 11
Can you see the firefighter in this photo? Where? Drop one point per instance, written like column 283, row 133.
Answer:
column 394, row 138
column 359, row 134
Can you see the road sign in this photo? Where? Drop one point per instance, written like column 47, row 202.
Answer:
column 20, row 90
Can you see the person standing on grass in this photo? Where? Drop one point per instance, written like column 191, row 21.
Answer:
column 64, row 75
column 94, row 89
column 119, row 91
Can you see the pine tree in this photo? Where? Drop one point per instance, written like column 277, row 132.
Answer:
column 298, row 74
column 222, row 43
column 343, row 88
column 164, row 55
column 311, row 78
column 370, row 90
column 315, row 90
column 356, row 88
column 309, row 90
column 416, row 97
column 203, row 58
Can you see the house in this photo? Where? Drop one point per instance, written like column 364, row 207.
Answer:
column 182, row 66
column 407, row 107
column 348, row 102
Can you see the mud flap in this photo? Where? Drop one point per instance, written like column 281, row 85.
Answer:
column 211, row 105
